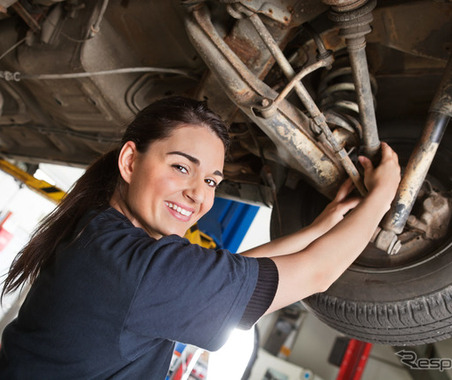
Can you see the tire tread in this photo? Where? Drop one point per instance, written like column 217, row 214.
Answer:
column 425, row 319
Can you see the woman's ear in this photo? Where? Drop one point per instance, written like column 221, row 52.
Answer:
column 126, row 160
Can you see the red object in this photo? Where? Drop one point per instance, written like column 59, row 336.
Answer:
column 354, row 360
column 5, row 238
column 180, row 371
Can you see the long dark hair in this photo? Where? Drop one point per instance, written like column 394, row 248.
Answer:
column 96, row 186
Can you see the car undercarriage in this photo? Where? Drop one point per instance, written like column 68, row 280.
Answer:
column 305, row 85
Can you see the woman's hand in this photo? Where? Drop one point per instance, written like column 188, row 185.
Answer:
column 385, row 178
column 334, row 212
column 382, row 180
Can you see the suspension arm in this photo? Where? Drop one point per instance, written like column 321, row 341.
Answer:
column 418, row 165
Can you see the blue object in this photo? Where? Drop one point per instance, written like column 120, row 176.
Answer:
column 228, row 222
column 180, row 347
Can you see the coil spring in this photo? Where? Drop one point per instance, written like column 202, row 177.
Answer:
column 337, row 96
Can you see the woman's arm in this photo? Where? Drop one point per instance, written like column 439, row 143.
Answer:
column 314, row 268
column 297, row 241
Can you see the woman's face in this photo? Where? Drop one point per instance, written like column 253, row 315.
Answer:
column 172, row 185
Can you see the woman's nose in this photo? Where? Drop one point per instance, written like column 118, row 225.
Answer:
column 195, row 191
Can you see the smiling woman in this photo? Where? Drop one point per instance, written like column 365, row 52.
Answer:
column 171, row 186
column 115, row 284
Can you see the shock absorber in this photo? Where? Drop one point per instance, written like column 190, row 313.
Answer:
column 353, row 17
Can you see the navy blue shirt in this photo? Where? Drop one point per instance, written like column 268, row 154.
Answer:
column 113, row 302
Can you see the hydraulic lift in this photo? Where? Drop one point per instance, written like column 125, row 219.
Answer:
column 48, row 191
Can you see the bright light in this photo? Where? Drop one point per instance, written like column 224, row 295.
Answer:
column 231, row 360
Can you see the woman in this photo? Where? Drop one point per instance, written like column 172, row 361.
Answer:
column 114, row 282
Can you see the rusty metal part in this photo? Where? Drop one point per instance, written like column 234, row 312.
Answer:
column 94, row 29
column 415, row 173
column 393, row 27
column 341, row 154
column 344, row 5
column 318, row 118
column 289, row 129
column 287, row 69
column 431, row 223
column 387, row 239
column 337, row 98
column 27, row 17
column 302, row 93
column 421, row 158
column 288, row 13
column 435, row 217
column 276, row 12
column 353, row 19
column 283, row 62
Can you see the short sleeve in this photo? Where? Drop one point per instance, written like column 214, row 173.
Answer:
column 193, row 295
column 264, row 292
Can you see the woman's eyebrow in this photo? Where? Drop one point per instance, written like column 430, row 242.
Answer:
column 187, row 156
column 194, row 160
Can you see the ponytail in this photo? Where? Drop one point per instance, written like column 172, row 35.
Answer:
column 93, row 190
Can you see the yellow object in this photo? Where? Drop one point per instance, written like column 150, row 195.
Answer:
column 195, row 236
column 44, row 188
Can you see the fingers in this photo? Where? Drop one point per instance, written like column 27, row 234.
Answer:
column 388, row 154
column 344, row 190
column 366, row 163
column 343, row 204
column 389, row 159
column 393, row 170
column 348, row 204
column 386, row 176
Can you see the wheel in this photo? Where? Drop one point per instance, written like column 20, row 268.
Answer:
column 404, row 299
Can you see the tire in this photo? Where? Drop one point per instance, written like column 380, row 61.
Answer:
column 393, row 300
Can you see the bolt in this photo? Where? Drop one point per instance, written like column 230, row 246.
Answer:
column 265, row 102
column 395, row 247
column 388, row 241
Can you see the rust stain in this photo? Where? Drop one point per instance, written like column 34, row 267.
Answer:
column 244, row 49
column 308, row 154
column 413, row 178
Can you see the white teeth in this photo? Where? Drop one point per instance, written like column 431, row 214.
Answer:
column 179, row 209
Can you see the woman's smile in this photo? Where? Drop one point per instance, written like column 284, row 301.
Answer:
column 179, row 212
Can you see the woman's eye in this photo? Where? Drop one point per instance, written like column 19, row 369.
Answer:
column 181, row 168
column 211, row 182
